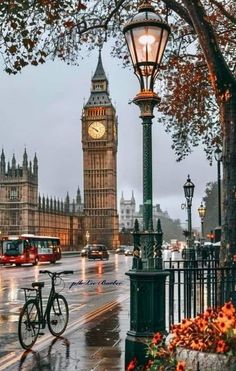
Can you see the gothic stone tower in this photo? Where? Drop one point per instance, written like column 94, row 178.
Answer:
column 18, row 195
column 99, row 141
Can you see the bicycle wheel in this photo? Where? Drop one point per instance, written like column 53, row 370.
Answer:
column 58, row 315
column 29, row 324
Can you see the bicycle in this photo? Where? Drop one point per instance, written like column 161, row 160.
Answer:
column 32, row 317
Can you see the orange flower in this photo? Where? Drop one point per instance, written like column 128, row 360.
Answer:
column 228, row 308
column 202, row 323
column 185, row 323
column 222, row 326
column 180, row 366
column 157, row 338
column 231, row 319
column 208, row 312
column 131, row 366
column 221, row 347
column 197, row 344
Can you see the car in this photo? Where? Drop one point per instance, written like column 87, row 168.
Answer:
column 84, row 251
column 129, row 252
column 120, row 250
column 98, row 251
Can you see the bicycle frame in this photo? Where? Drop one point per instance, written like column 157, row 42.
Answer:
column 39, row 298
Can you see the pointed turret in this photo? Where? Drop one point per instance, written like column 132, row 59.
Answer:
column 25, row 160
column 39, row 202
column 35, row 165
column 67, row 203
column 2, row 163
column 13, row 162
column 132, row 198
column 30, row 167
column 78, row 197
column 43, row 203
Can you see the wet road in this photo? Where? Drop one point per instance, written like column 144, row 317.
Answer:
column 95, row 288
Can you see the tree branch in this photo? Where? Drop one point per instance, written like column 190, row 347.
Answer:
column 223, row 11
column 180, row 10
column 221, row 77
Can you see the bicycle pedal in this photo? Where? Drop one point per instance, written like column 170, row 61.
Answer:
column 41, row 333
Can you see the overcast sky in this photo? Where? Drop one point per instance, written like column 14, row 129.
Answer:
column 41, row 110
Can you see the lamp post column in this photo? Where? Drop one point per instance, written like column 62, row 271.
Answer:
column 202, row 214
column 147, row 170
column 146, row 37
column 219, row 192
column 202, row 229
column 218, row 158
column 189, row 204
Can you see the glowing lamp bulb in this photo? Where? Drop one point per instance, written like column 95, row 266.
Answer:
column 147, row 39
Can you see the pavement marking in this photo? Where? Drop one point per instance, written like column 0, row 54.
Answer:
column 77, row 307
column 46, row 339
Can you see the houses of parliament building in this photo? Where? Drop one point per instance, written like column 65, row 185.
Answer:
column 23, row 210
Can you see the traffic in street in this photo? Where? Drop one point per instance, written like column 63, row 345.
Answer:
column 96, row 287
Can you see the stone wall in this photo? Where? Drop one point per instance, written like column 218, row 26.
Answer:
column 202, row 361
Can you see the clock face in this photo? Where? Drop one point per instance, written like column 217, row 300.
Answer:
column 96, row 130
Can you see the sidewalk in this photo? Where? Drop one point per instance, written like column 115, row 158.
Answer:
column 96, row 345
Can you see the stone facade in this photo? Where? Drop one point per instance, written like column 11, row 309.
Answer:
column 23, row 210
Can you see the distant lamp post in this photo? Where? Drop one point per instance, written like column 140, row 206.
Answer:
column 146, row 36
column 87, row 236
column 218, row 158
column 188, row 193
column 202, row 214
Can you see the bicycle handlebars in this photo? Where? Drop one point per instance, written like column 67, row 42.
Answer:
column 56, row 273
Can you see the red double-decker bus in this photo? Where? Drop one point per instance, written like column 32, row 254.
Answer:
column 28, row 248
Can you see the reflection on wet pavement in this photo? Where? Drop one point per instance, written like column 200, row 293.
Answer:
column 98, row 345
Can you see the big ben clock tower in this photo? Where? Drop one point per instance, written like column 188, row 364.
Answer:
column 99, row 141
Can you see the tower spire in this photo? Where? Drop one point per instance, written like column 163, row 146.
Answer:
column 99, row 72
column 99, row 90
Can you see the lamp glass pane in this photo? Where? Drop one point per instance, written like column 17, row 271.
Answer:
column 147, row 40
column 165, row 35
column 129, row 41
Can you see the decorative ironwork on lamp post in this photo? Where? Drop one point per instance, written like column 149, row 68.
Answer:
column 146, row 36
column 202, row 214
column 188, row 193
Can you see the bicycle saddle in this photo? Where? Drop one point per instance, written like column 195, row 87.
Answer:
column 38, row 284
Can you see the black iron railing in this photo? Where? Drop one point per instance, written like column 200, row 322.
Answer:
column 192, row 287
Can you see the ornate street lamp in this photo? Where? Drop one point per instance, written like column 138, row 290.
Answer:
column 218, row 158
column 188, row 193
column 146, row 36
column 202, row 214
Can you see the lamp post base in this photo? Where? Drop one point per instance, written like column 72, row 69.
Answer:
column 147, row 311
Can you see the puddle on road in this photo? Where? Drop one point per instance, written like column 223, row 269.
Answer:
column 9, row 317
